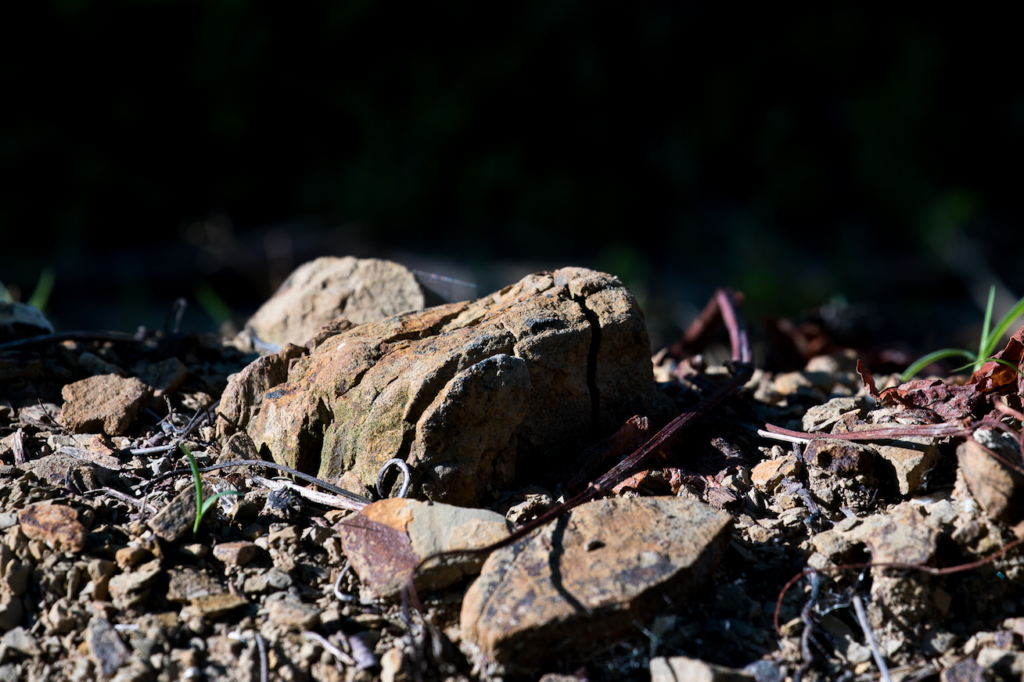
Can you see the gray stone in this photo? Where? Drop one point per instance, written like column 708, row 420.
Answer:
column 588, row 576
column 292, row 614
column 20, row 320
column 821, row 417
column 106, row 649
column 21, row 640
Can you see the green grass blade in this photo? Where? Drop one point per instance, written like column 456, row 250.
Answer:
column 199, row 486
column 1003, row 327
column 41, row 296
column 210, row 501
column 983, row 351
column 932, row 357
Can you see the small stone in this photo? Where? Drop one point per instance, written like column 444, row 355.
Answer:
column 164, row 377
column 966, row 670
column 679, row 668
column 546, row 597
column 386, row 540
column 20, row 320
column 54, row 525
column 820, row 417
column 188, row 584
column 1007, row 665
column 179, row 516
column 235, row 553
column 95, row 365
column 21, row 640
column 842, row 457
column 105, row 647
column 293, row 614
column 195, row 550
column 128, row 589
column 106, row 402
column 214, row 605
column 129, row 557
column 54, row 470
column 767, row 475
column 912, row 457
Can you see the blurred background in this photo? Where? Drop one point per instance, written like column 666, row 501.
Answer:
column 834, row 163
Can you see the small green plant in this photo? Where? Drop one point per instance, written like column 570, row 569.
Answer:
column 202, row 506
column 987, row 347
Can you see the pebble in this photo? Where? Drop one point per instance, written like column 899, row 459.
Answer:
column 546, row 596
column 767, row 475
column 128, row 589
column 293, row 614
column 21, row 640
column 235, row 553
column 995, row 486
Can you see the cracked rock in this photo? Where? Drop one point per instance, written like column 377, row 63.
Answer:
column 589, row 576
column 468, row 392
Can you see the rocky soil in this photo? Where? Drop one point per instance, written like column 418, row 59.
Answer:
column 425, row 428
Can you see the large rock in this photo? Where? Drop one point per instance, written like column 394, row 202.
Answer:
column 467, row 392
column 321, row 290
column 108, row 402
column 589, row 576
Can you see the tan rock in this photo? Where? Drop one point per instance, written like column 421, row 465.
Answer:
column 842, row 457
column 589, row 576
column 386, row 540
column 106, row 402
column 468, row 392
column 128, row 589
column 164, row 377
column 769, row 473
column 128, row 557
column 215, row 605
column 54, row 525
column 293, row 614
column 235, row 553
column 997, row 488
column 679, row 668
column 360, row 290
column 244, row 394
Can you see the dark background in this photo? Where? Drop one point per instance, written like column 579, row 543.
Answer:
column 150, row 150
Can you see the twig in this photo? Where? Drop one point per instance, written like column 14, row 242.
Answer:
column 152, row 450
column 326, row 644
column 337, row 586
column 405, row 472
column 261, row 463
column 69, row 336
column 783, row 437
column 312, row 495
column 869, row 637
column 118, row 495
column 264, row 667
column 885, row 433
column 805, row 637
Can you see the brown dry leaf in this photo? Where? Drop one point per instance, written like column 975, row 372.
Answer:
column 994, row 377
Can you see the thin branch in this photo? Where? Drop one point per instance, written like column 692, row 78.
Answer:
column 336, row 501
column 69, row 336
column 869, row 637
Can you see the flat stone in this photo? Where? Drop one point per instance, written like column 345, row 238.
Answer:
column 105, row 647
column 54, row 470
column 54, row 525
column 293, row 614
column 386, row 540
column 179, row 516
column 95, row 365
column 107, row 402
column 767, row 475
column 164, row 377
column 359, row 290
column 468, row 392
column 21, row 640
column 235, row 553
column 128, row 557
column 996, row 487
column 215, row 605
column 588, row 576
column 189, row 584
column 679, row 668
